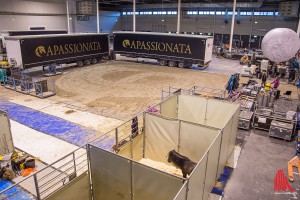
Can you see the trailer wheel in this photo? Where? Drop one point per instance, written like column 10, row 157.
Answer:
column 94, row 61
column 172, row 63
column 79, row 63
column 181, row 64
column 87, row 62
column 163, row 62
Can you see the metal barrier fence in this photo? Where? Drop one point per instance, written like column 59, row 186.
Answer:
column 39, row 88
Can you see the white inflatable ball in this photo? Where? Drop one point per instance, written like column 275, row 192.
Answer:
column 280, row 44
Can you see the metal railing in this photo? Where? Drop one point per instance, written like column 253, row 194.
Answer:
column 195, row 90
column 51, row 178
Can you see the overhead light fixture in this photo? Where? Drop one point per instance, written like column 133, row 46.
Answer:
column 70, row 18
column 13, row 19
column 255, row 22
column 162, row 20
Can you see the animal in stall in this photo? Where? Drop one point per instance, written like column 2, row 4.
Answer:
column 116, row 148
column 182, row 162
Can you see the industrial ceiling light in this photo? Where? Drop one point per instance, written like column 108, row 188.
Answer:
column 255, row 22
column 162, row 20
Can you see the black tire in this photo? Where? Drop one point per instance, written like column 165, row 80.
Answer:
column 181, row 64
column 79, row 63
column 87, row 62
column 163, row 62
column 172, row 63
column 94, row 61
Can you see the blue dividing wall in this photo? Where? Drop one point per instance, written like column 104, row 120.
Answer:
column 55, row 126
column 15, row 193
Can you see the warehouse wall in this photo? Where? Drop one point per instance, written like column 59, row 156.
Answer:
column 205, row 23
column 21, row 15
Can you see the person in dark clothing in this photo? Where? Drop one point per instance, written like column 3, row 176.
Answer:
column 257, row 71
column 134, row 127
column 263, row 78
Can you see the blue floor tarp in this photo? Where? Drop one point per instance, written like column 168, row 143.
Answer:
column 15, row 193
column 51, row 125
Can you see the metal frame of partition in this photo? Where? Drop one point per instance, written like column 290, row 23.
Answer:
column 195, row 90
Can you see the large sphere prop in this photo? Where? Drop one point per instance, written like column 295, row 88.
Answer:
column 280, row 44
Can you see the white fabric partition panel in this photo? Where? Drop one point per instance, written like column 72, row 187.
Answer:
column 168, row 108
column 181, row 195
column 192, row 109
column 218, row 113
column 224, row 146
column 150, row 184
column 161, row 136
column 6, row 140
column 234, row 130
column 133, row 149
column 212, row 166
column 111, row 175
column 197, row 180
column 195, row 140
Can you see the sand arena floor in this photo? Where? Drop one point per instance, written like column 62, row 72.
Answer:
column 120, row 89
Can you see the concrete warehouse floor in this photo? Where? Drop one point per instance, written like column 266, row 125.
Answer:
column 114, row 91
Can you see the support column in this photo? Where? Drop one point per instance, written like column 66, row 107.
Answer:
column 98, row 17
column 178, row 16
column 134, row 22
column 214, row 26
column 232, row 25
column 298, row 29
column 251, row 28
column 68, row 16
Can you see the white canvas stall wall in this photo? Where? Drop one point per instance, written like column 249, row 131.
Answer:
column 234, row 130
column 168, row 108
column 192, row 109
column 115, row 177
column 225, row 146
column 195, row 140
column 210, row 112
column 161, row 136
column 6, row 141
column 78, row 188
column 111, row 175
column 219, row 112
column 133, row 149
column 197, row 180
column 212, row 167
column 150, row 184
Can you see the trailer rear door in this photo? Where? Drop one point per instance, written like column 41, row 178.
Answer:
column 208, row 50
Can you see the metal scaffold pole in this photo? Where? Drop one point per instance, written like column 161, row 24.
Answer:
column 68, row 16
column 232, row 25
column 134, row 22
column 98, row 20
column 178, row 16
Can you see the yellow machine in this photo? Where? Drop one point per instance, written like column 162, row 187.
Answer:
column 244, row 60
column 3, row 63
column 268, row 87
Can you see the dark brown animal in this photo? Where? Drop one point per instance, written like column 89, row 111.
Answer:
column 184, row 163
